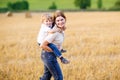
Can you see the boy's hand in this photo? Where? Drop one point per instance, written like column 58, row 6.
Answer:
column 51, row 32
column 64, row 28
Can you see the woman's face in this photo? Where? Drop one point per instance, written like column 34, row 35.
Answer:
column 60, row 21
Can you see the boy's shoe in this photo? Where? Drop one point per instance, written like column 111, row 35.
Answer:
column 63, row 51
column 64, row 61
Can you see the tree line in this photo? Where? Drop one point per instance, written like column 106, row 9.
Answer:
column 82, row 4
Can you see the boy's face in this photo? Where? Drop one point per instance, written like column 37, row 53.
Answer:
column 47, row 22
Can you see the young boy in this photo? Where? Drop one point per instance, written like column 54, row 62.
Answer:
column 46, row 28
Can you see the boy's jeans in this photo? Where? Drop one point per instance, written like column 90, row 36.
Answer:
column 55, row 49
column 51, row 66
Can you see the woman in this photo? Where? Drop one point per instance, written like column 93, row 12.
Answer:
column 51, row 65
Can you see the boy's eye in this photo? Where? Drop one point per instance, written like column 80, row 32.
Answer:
column 46, row 21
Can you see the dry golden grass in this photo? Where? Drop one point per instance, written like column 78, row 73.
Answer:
column 92, row 42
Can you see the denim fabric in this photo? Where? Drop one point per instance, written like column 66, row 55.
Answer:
column 51, row 67
column 55, row 49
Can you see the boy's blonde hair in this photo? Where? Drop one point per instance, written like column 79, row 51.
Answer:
column 46, row 16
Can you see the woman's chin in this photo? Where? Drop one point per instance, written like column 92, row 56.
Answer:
column 62, row 26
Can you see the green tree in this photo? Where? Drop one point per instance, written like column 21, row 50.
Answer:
column 117, row 4
column 82, row 4
column 99, row 4
column 53, row 6
column 19, row 5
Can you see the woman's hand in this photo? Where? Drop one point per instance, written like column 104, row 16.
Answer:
column 44, row 46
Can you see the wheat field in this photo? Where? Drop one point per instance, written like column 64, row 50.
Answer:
column 92, row 41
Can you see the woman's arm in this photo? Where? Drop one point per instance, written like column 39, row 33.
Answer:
column 44, row 46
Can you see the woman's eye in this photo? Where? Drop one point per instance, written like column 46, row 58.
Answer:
column 57, row 20
column 61, row 19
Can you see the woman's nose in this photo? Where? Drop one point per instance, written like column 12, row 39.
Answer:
column 60, row 21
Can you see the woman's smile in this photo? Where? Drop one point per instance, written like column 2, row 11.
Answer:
column 60, row 21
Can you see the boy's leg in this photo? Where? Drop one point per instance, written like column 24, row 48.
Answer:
column 63, row 51
column 58, row 53
column 55, row 49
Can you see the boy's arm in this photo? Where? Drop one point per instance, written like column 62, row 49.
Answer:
column 64, row 28
column 54, row 30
